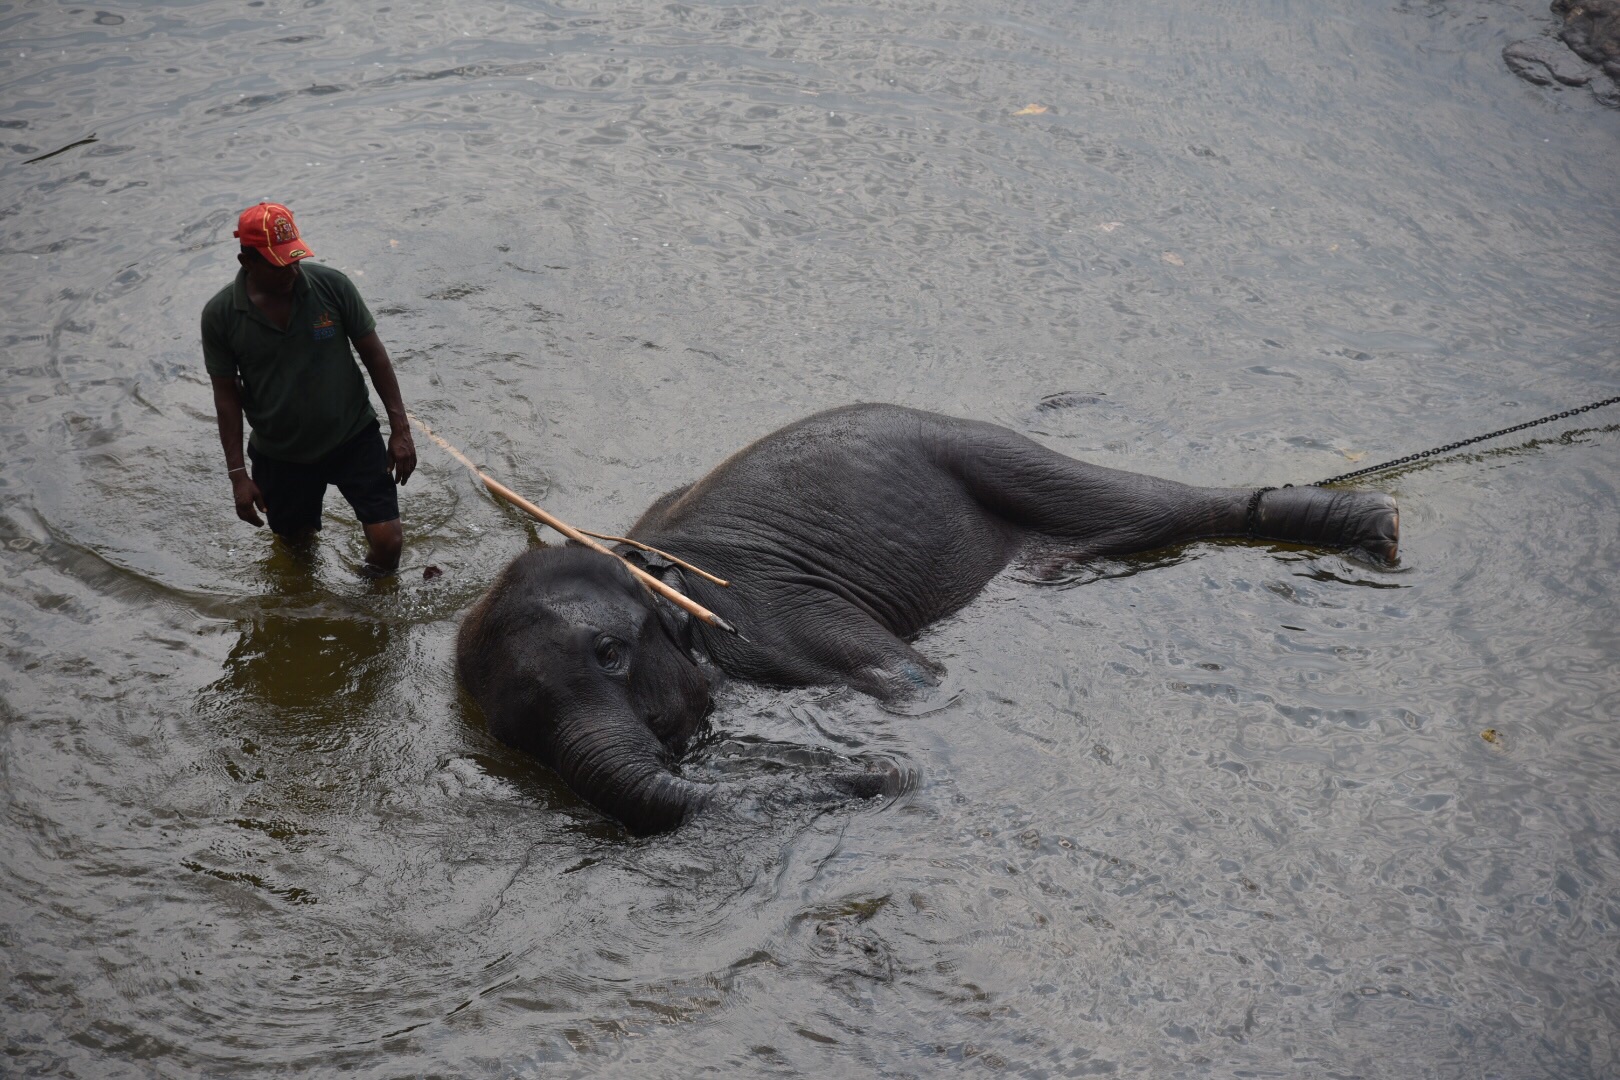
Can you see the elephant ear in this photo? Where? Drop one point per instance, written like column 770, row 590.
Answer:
column 492, row 619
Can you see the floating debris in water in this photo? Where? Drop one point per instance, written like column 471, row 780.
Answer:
column 431, row 572
column 1068, row 399
column 1492, row 736
column 1032, row 109
column 62, row 150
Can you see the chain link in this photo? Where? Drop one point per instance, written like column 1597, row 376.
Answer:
column 1448, row 448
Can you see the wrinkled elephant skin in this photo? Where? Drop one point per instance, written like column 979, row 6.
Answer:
column 843, row 535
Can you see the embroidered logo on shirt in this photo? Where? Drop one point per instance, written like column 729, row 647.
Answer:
column 325, row 327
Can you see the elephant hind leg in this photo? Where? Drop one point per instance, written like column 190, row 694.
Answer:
column 1108, row 512
column 1102, row 511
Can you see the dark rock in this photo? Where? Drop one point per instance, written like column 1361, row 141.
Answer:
column 1543, row 63
column 431, row 572
column 1592, row 29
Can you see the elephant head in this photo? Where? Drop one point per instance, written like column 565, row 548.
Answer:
column 575, row 662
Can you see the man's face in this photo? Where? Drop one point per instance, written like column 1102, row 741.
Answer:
column 266, row 277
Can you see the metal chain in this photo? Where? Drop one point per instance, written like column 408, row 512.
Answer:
column 1408, row 459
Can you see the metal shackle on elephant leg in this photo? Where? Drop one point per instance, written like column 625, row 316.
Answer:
column 1366, row 520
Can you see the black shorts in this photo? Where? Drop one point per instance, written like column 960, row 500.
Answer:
column 293, row 492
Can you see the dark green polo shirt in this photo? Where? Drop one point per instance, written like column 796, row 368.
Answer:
column 302, row 389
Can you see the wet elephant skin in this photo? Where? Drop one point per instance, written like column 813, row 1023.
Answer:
column 843, row 535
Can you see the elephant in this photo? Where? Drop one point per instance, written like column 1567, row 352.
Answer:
column 843, row 535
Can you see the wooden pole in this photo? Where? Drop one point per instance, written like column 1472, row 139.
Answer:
column 502, row 491
column 682, row 563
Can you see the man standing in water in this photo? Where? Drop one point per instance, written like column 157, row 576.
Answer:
column 276, row 345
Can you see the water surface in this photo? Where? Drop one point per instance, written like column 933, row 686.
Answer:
column 1222, row 811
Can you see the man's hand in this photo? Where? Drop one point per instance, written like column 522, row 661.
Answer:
column 228, row 409
column 249, row 500
column 401, row 454
column 401, row 449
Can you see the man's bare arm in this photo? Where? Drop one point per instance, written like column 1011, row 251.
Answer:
column 401, row 447
column 228, row 411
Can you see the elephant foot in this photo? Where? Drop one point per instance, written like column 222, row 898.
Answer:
column 1386, row 544
column 905, row 679
column 884, row 780
column 1368, row 521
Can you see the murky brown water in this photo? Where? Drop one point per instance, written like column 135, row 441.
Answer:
column 1224, row 812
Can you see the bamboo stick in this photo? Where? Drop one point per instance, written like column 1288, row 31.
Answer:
column 500, row 490
column 682, row 563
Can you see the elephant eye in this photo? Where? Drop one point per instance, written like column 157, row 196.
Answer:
column 610, row 654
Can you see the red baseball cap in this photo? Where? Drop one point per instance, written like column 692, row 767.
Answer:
column 269, row 229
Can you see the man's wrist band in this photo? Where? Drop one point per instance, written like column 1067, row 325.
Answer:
column 239, row 468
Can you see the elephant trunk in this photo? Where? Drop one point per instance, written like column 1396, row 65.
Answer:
column 618, row 766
